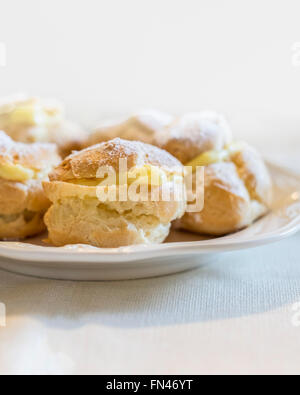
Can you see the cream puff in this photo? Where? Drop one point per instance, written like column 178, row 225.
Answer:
column 185, row 137
column 237, row 190
column 82, row 212
column 30, row 119
column 23, row 202
column 193, row 134
column 145, row 126
column 238, row 186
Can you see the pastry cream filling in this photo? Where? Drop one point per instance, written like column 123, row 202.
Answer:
column 215, row 156
column 30, row 114
column 14, row 172
column 19, row 173
column 27, row 115
column 147, row 175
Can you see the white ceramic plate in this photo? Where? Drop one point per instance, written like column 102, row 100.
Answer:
column 182, row 250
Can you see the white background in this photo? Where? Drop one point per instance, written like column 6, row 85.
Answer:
column 108, row 56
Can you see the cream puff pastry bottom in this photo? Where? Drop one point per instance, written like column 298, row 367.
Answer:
column 77, row 220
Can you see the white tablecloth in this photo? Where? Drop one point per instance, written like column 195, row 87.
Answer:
column 238, row 315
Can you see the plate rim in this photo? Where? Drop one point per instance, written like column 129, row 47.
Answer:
column 77, row 253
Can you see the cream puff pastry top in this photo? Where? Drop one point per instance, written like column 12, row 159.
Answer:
column 31, row 119
column 86, row 163
column 193, row 134
column 22, row 162
column 143, row 126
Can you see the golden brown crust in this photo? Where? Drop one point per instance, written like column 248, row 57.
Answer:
column 23, row 204
column 236, row 194
column 22, row 207
column 26, row 224
column 144, row 126
column 80, row 215
column 194, row 134
column 254, row 173
column 86, row 163
column 16, row 197
column 185, row 137
column 227, row 206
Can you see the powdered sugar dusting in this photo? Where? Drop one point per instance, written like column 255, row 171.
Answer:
column 198, row 127
column 144, row 126
column 85, row 164
column 38, row 156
